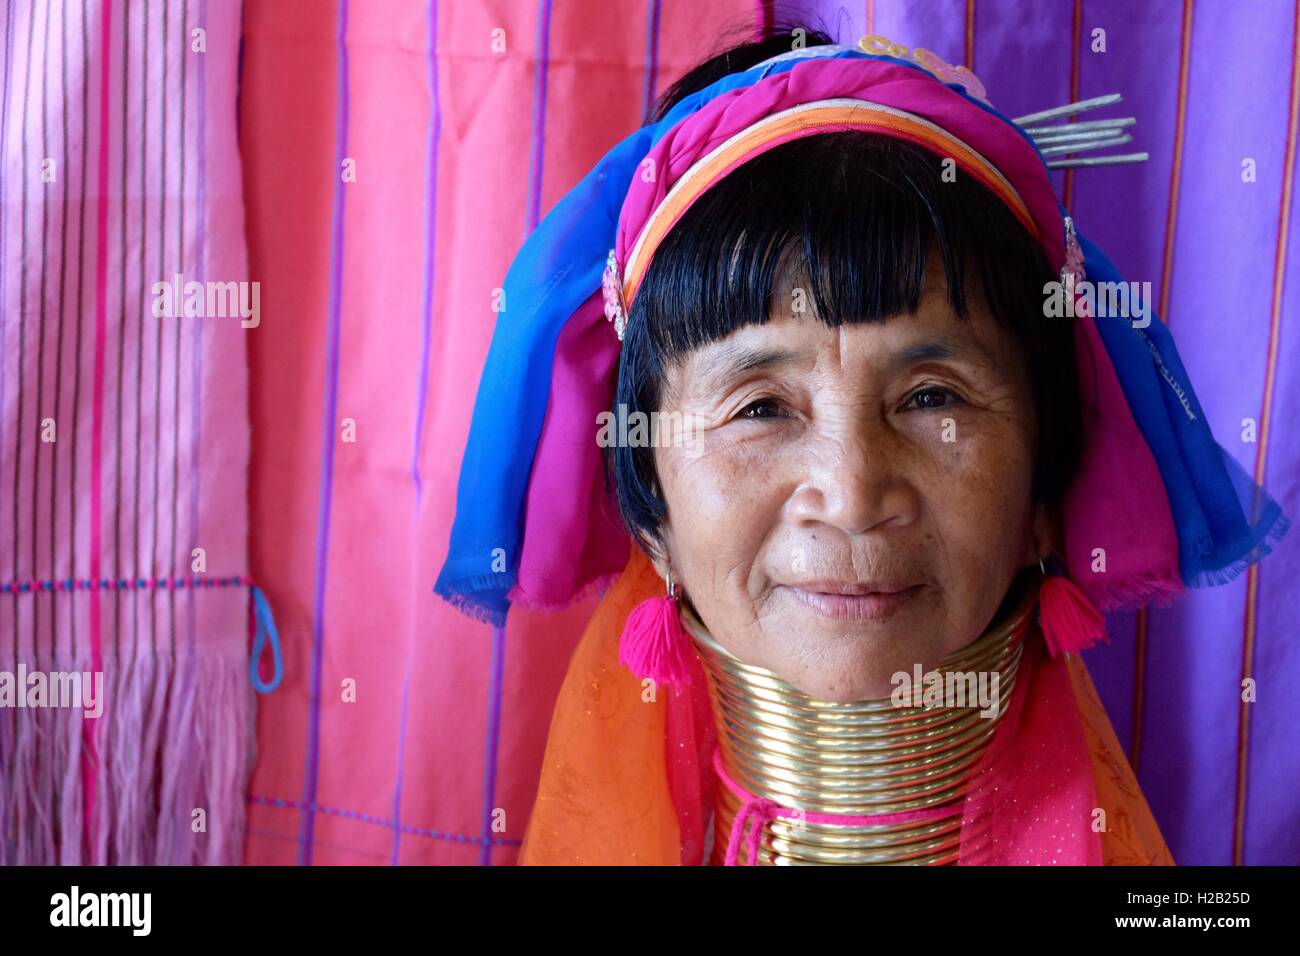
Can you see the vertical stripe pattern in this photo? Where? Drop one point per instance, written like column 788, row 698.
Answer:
column 99, row 389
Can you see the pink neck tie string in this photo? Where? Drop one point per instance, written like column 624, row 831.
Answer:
column 756, row 811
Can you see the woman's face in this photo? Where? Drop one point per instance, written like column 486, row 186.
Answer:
column 852, row 501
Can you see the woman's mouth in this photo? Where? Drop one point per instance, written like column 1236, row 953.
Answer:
column 848, row 602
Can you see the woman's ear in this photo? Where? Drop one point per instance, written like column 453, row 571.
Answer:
column 656, row 551
column 1043, row 534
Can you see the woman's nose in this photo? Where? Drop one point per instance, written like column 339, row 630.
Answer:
column 856, row 480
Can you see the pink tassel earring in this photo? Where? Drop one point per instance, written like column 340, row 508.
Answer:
column 654, row 643
column 1070, row 622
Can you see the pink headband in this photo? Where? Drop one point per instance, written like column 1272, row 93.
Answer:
column 806, row 119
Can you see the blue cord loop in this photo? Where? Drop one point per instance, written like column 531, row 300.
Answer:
column 265, row 631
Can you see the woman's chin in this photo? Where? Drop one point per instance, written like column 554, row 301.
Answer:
column 843, row 658
column 846, row 687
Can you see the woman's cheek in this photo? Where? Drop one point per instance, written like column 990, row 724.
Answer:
column 981, row 484
column 718, row 485
column 949, row 434
column 985, row 444
column 724, row 505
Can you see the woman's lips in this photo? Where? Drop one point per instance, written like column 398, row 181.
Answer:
column 856, row 605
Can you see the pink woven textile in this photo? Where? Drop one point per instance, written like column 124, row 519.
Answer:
column 123, row 434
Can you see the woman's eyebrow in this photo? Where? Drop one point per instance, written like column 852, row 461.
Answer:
column 925, row 351
column 731, row 361
column 945, row 348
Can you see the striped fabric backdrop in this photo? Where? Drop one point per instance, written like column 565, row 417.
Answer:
column 389, row 156
column 464, row 123
column 124, row 435
column 406, row 733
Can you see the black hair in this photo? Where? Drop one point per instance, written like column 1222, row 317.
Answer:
column 856, row 215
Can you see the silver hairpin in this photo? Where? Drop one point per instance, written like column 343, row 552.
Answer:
column 1058, row 142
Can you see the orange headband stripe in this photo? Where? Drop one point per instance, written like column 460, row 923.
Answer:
column 806, row 119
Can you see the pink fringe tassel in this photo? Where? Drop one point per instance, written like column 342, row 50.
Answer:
column 175, row 736
column 654, row 645
column 1069, row 620
column 224, row 737
column 178, row 768
column 70, row 806
column 24, row 766
column 7, row 798
column 47, row 752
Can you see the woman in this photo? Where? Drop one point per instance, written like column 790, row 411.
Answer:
column 899, row 482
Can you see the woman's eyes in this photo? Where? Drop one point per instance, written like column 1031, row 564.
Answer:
column 754, row 409
column 931, row 397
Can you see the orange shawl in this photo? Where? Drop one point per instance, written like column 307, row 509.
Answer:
column 604, row 796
